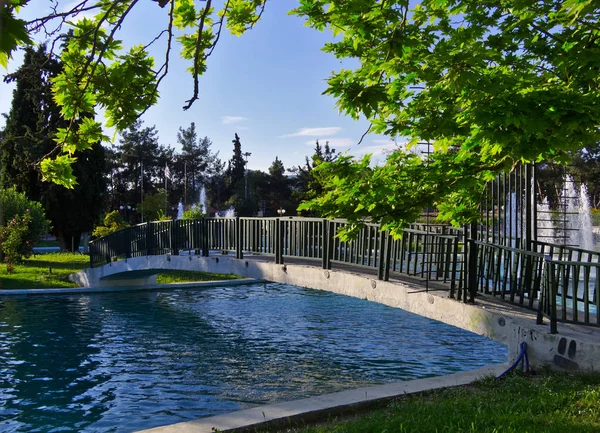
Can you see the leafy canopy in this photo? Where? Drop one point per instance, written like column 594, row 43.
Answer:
column 100, row 73
column 487, row 83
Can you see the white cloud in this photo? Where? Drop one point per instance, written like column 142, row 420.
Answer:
column 335, row 143
column 314, row 132
column 228, row 120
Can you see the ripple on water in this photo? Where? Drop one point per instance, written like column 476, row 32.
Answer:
column 127, row 361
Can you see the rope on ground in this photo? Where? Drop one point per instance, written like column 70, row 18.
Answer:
column 522, row 358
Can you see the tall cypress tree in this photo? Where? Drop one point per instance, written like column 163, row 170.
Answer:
column 237, row 164
column 28, row 136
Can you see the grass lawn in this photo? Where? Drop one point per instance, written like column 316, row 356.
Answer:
column 44, row 271
column 52, row 270
column 545, row 403
column 169, row 277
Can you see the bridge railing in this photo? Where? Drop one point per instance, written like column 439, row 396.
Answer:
column 430, row 255
column 557, row 281
column 571, row 285
column 511, row 274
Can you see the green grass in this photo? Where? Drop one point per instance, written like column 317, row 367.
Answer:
column 52, row 270
column 169, row 277
column 549, row 403
column 44, row 271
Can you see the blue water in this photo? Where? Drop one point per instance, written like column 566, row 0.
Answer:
column 128, row 361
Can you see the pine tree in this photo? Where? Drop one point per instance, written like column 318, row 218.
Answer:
column 196, row 160
column 306, row 187
column 237, row 164
column 140, row 152
column 279, row 195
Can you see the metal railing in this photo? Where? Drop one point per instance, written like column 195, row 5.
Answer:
column 571, row 285
column 511, row 274
column 557, row 281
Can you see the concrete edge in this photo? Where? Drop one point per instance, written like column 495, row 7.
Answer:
column 313, row 409
column 152, row 287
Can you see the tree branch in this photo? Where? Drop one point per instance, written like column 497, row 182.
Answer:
column 194, row 97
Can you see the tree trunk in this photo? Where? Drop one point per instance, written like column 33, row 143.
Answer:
column 68, row 241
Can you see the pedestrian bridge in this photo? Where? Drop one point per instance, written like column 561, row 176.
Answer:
column 455, row 276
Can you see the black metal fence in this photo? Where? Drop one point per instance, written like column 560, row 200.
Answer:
column 431, row 253
column 557, row 281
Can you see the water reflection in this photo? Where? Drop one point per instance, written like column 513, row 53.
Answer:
column 128, row 361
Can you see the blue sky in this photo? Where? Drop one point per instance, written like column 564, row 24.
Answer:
column 265, row 85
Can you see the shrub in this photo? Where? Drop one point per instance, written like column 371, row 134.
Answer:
column 13, row 203
column 25, row 224
column 194, row 212
column 596, row 217
column 113, row 222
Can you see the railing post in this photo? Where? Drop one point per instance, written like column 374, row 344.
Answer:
column 388, row 255
column 128, row 242
column 90, row 246
column 238, row 238
column 204, row 237
column 453, row 267
column 278, row 242
column 472, row 271
column 552, row 298
column 380, row 269
column 148, row 240
column 282, row 233
column 530, row 209
column 325, row 258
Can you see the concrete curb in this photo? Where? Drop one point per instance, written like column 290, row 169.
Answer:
column 321, row 407
column 154, row 287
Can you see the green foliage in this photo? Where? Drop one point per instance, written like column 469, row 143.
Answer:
column 160, row 216
column 153, row 207
column 194, row 212
column 13, row 204
column 395, row 193
column 489, row 84
column 22, row 224
column 306, row 185
column 194, row 165
column 113, row 222
column 15, row 239
column 31, row 126
column 101, row 73
column 13, row 30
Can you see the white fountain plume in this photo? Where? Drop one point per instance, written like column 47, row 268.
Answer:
column 180, row 210
column 545, row 227
column 202, row 200
column 577, row 224
column 586, row 238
